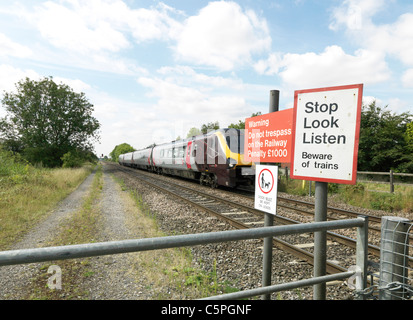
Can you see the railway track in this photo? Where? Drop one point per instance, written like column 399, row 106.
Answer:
column 244, row 216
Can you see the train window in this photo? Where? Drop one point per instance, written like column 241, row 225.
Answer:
column 235, row 140
column 162, row 152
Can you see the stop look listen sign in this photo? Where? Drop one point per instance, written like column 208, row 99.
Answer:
column 326, row 127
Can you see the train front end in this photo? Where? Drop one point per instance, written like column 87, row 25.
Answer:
column 238, row 171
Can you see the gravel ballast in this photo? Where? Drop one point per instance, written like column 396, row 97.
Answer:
column 117, row 276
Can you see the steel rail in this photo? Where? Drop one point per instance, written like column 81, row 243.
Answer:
column 372, row 218
column 302, row 254
column 281, row 244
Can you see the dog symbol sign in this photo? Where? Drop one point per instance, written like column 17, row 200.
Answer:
column 266, row 188
column 266, row 181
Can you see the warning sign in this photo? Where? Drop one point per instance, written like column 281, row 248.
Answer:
column 326, row 134
column 266, row 187
column 268, row 137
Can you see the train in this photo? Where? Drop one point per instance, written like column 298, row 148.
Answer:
column 214, row 159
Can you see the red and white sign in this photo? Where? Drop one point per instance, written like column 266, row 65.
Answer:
column 326, row 128
column 268, row 137
column 266, row 188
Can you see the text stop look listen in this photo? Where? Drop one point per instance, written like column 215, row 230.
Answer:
column 325, row 141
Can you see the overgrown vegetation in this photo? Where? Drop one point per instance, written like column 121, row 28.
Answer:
column 386, row 140
column 170, row 268
column 45, row 121
column 364, row 195
column 120, row 149
column 176, row 264
column 29, row 193
column 81, row 228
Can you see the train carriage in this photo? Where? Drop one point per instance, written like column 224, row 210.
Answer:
column 175, row 158
column 141, row 159
column 126, row 159
column 215, row 158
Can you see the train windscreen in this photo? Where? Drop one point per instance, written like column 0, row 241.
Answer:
column 235, row 140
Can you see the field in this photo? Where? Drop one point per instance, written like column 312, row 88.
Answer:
column 374, row 196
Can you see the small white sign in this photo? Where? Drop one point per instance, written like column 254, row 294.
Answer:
column 326, row 133
column 266, row 188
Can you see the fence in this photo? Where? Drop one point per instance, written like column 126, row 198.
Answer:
column 114, row 247
column 366, row 176
column 396, row 272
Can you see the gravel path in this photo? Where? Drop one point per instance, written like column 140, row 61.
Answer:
column 14, row 278
column 111, row 275
column 112, row 278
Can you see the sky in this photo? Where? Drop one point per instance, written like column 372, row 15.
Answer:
column 155, row 69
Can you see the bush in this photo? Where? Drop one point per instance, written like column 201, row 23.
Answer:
column 385, row 201
column 13, row 168
column 76, row 158
column 72, row 159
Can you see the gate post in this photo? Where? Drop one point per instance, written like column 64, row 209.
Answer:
column 269, row 218
column 320, row 239
column 362, row 248
column 393, row 258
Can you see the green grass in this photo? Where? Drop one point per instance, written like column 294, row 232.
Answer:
column 364, row 195
column 176, row 264
column 81, row 228
column 28, row 194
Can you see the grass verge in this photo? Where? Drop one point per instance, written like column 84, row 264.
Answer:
column 364, row 195
column 82, row 228
column 28, row 194
column 168, row 268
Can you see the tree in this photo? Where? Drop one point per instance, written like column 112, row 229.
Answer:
column 409, row 136
column 193, row 132
column 120, row 149
column 241, row 123
column 383, row 144
column 46, row 120
column 210, row 127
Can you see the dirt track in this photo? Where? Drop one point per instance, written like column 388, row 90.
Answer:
column 111, row 276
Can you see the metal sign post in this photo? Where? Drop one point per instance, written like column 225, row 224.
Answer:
column 269, row 218
column 326, row 127
column 320, row 239
column 266, row 185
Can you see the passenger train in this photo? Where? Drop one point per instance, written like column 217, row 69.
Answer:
column 214, row 159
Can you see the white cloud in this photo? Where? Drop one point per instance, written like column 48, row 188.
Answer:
column 186, row 99
column 96, row 25
column 222, row 35
column 269, row 66
column 370, row 99
column 331, row 67
column 181, row 74
column 407, row 78
column 154, row 23
column 11, row 48
column 398, row 105
column 395, row 39
column 76, row 84
column 11, row 75
column 80, row 27
column 355, row 14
